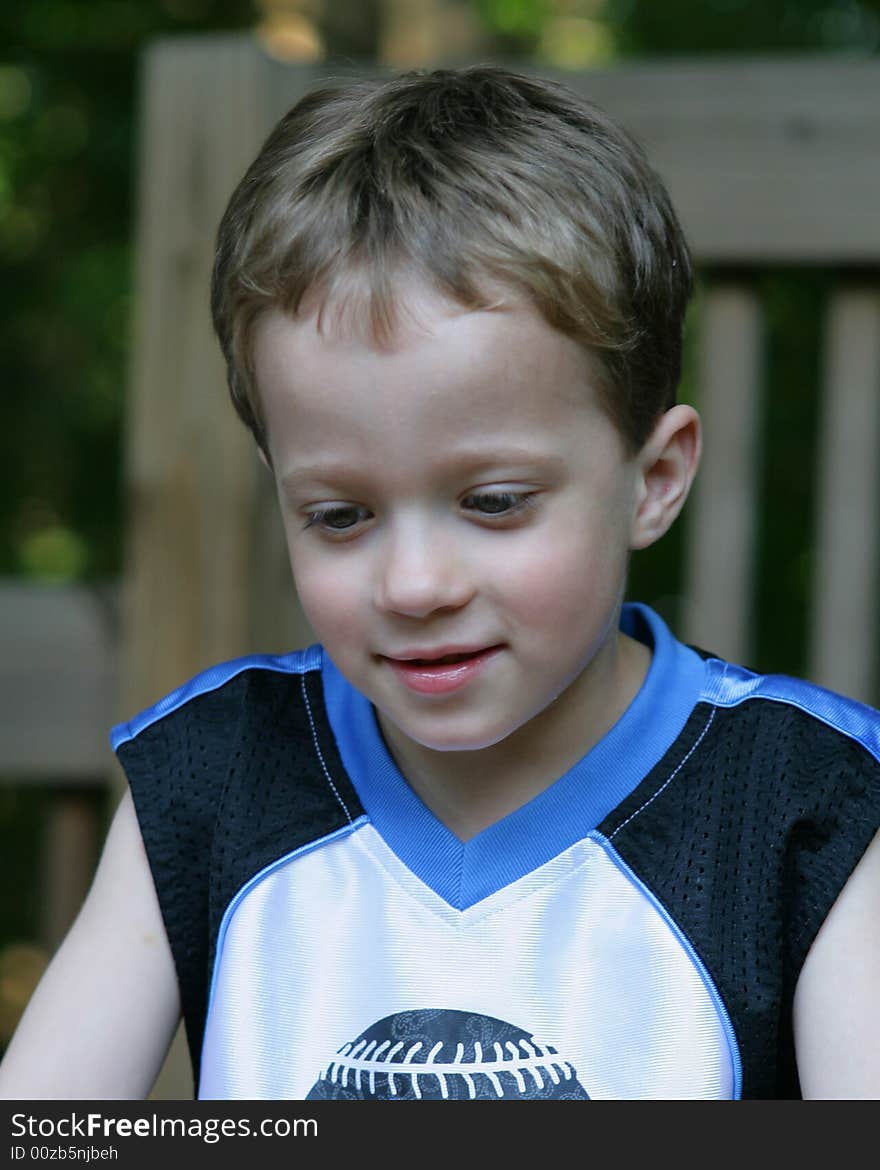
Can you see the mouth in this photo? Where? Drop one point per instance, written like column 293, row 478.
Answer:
column 440, row 655
column 441, row 671
column 440, row 659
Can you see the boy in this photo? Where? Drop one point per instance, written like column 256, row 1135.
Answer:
column 498, row 836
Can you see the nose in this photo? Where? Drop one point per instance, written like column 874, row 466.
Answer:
column 421, row 572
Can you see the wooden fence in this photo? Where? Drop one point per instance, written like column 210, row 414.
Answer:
column 768, row 161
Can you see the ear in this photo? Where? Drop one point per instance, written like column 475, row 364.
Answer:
column 264, row 459
column 667, row 464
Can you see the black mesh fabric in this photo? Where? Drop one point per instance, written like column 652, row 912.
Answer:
column 746, row 832
column 224, row 785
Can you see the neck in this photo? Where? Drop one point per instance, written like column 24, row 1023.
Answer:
column 470, row 790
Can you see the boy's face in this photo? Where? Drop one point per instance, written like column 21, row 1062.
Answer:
column 459, row 512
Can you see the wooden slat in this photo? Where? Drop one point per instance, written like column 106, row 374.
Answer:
column 767, row 159
column 185, row 575
column 59, row 673
column 721, row 518
column 846, row 613
column 193, row 473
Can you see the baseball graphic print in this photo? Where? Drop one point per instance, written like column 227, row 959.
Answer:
column 437, row 1054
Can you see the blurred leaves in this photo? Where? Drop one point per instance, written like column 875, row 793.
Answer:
column 683, row 27
column 68, row 83
column 712, row 27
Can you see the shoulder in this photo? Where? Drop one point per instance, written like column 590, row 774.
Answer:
column 815, row 750
column 243, row 748
column 777, row 753
column 816, row 755
column 248, row 681
column 229, row 725
column 794, row 703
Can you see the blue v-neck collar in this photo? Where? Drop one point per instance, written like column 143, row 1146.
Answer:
column 463, row 873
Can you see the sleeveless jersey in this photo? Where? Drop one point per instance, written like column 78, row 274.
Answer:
column 635, row 931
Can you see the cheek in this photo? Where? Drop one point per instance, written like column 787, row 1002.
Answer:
column 564, row 582
column 329, row 595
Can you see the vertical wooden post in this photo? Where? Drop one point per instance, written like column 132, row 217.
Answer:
column 189, row 467
column 721, row 534
column 195, row 484
column 846, row 609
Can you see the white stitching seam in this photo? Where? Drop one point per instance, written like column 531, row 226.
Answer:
column 670, row 777
column 324, row 768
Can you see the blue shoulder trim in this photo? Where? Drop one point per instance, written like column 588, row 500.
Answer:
column 296, row 662
column 728, row 686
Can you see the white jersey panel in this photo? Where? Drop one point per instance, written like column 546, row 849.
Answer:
column 339, row 963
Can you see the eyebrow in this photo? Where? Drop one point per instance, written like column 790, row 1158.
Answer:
column 325, row 472
column 471, row 461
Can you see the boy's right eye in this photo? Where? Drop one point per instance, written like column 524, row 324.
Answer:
column 337, row 518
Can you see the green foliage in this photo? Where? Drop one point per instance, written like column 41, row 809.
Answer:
column 726, row 27
column 682, row 28
column 68, row 78
column 515, row 18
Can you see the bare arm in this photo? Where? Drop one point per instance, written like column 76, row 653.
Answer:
column 837, row 1002
column 103, row 1016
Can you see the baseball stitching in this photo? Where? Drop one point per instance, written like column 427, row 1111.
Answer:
column 360, row 1059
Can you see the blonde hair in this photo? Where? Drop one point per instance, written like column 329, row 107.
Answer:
column 469, row 179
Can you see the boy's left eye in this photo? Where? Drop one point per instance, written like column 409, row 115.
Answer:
column 337, row 519
column 496, row 503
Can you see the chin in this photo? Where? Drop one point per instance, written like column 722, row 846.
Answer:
column 461, row 739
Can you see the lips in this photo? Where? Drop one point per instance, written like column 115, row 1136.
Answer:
column 441, row 671
column 442, row 659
